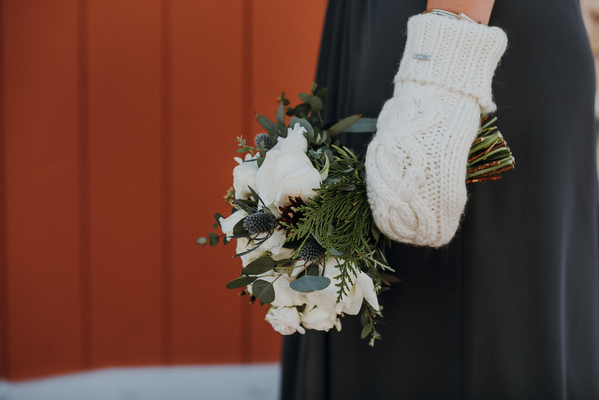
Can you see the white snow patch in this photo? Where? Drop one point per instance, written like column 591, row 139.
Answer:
column 236, row 382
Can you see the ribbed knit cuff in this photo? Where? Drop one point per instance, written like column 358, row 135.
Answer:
column 458, row 55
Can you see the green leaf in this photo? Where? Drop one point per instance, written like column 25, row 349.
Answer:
column 302, row 110
column 314, row 87
column 259, row 266
column 343, row 124
column 264, row 291
column 284, row 101
column 316, row 103
column 217, row 217
column 308, row 283
column 322, row 92
column 281, row 115
column 366, row 330
column 364, row 317
column 241, row 282
column 305, row 124
column 213, row 238
column 202, row 240
column 324, row 172
column 239, row 229
column 313, row 270
column 305, row 97
column 267, row 124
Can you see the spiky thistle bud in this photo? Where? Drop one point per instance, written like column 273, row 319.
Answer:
column 264, row 138
column 311, row 250
column 259, row 222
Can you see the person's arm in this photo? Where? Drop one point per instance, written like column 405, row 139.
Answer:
column 478, row 10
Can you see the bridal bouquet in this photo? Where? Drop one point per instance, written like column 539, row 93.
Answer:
column 302, row 222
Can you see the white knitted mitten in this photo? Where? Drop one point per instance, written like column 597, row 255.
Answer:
column 416, row 163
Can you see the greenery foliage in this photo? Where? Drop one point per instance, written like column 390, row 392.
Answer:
column 339, row 217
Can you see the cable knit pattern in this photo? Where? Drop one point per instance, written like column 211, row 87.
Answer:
column 416, row 163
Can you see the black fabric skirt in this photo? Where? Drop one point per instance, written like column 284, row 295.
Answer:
column 510, row 308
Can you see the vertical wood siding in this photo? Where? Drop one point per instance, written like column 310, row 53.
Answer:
column 117, row 128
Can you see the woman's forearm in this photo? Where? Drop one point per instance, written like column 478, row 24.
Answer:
column 478, row 10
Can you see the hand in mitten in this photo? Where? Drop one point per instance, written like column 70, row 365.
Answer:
column 416, row 163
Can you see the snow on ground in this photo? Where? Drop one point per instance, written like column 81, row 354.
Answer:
column 238, row 382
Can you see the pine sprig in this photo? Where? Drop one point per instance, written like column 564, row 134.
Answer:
column 340, row 220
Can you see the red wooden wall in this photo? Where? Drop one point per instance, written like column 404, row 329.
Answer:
column 117, row 128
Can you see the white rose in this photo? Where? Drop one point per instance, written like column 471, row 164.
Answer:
column 244, row 175
column 285, row 320
column 320, row 318
column 287, row 171
column 295, row 140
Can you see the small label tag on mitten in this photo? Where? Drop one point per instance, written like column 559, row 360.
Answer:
column 420, row 56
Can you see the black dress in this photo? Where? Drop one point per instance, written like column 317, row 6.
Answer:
column 510, row 308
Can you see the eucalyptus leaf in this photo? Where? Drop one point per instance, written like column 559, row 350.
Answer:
column 202, row 240
column 267, row 124
column 281, row 115
column 241, row 282
column 322, row 92
column 217, row 217
column 313, row 87
column 329, row 154
column 305, row 97
column 304, row 123
column 259, row 266
column 366, row 330
column 308, row 283
column 364, row 317
column 213, row 238
column 282, row 131
column 264, row 291
column 302, row 110
column 343, row 124
column 316, row 103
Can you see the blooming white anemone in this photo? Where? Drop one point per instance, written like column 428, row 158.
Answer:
column 287, row 171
